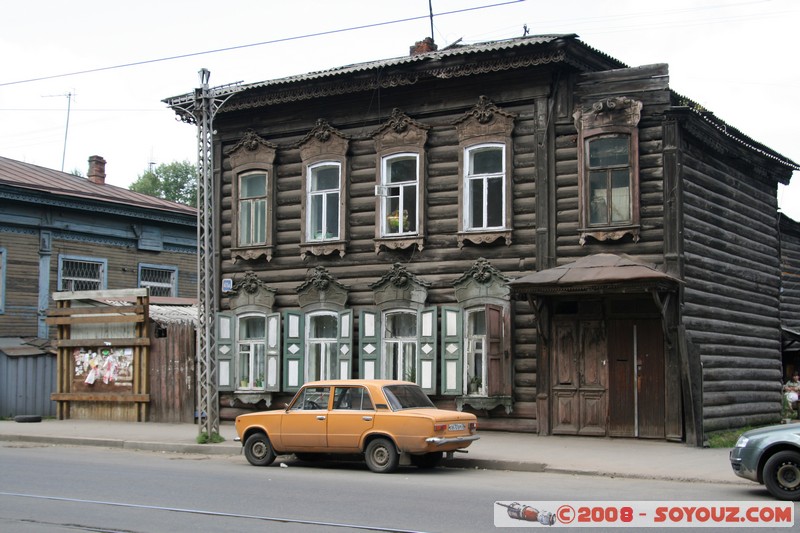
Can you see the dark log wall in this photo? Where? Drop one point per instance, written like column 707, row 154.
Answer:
column 650, row 86
column 790, row 273
column 441, row 261
column 732, row 274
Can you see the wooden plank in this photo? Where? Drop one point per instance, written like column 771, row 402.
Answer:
column 90, row 397
column 91, row 343
column 101, row 319
column 119, row 294
column 104, row 310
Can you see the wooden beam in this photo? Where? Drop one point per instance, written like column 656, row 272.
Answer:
column 91, row 343
column 104, row 310
column 99, row 319
column 99, row 397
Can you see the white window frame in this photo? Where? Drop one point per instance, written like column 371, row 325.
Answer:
column 476, row 351
column 386, row 196
column 328, row 353
column 257, row 378
column 484, row 178
column 172, row 285
column 324, row 196
column 63, row 280
column 253, row 205
column 398, row 368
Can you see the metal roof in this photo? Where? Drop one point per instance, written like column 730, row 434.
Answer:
column 593, row 271
column 62, row 184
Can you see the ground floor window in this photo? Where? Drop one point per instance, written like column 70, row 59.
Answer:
column 321, row 344
column 400, row 346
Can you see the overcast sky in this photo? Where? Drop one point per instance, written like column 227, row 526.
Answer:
column 737, row 58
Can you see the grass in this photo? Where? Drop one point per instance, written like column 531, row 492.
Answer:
column 726, row 438
column 203, row 438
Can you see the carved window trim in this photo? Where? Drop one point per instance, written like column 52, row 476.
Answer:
column 484, row 126
column 324, row 145
column 400, row 136
column 613, row 117
column 252, row 155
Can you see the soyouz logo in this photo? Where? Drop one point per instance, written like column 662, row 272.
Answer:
column 643, row 514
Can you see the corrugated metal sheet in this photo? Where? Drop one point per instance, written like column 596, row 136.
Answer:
column 44, row 180
column 26, row 379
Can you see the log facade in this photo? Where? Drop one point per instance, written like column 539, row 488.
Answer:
column 380, row 220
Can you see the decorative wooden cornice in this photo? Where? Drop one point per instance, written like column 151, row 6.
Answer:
column 614, row 111
column 250, row 290
column 323, row 139
column 251, row 254
column 484, row 119
column 321, row 287
column 399, row 243
column 400, row 285
column 482, row 280
column 252, row 149
column 400, row 130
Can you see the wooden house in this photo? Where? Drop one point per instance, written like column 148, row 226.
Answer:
column 529, row 229
column 60, row 232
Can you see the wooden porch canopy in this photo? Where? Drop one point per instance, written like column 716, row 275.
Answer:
column 599, row 273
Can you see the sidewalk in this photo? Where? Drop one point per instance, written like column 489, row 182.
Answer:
column 631, row 458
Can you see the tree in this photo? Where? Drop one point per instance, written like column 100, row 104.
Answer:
column 175, row 181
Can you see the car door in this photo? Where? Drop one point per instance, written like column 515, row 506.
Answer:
column 304, row 426
column 352, row 414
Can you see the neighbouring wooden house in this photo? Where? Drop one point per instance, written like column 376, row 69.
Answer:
column 61, row 232
column 790, row 294
column 529, row 229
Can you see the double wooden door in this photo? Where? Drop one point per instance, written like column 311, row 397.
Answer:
column 608, row 378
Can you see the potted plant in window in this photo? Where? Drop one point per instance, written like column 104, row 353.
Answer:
column 393, row 221
column 474, row 385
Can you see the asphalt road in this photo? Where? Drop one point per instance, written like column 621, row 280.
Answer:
column 47, row 489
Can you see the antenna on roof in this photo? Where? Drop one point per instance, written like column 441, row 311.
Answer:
column 69, row 96
column 430, row 11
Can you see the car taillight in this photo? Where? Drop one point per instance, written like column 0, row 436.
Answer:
column 473, row 427
column 439, row 427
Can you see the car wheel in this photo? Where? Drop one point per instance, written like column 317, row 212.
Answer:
column 782, row 475
column 381, row 456
column 427, row 461
column 258, row 450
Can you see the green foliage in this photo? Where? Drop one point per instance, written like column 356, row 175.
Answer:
column 215, row 438
column 175, row 181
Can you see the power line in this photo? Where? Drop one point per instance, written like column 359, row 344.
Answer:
column 273, row 41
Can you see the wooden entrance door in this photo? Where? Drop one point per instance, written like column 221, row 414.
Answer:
column 579, row 377
column 636, row 379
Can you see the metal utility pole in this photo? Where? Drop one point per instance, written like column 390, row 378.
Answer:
column 200, row 110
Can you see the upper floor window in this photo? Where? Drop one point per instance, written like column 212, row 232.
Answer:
column 484, row 188
column 81, row 273
column 161, row 280
column 252, row 197
column 399, row 198
column 484, row 191
column 323, row 204
column 252, row 205
column 608, row 167
column 609, row 183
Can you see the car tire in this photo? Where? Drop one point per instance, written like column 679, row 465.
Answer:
column 258, row 450
column 381, row 456
column 782, row 475
column 27, row 418
column 427, row 461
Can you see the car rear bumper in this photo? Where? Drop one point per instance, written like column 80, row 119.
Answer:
column 441, row 441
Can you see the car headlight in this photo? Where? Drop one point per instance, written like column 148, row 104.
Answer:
column 742, row 442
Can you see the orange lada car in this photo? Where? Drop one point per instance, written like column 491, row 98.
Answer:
column 389, row 422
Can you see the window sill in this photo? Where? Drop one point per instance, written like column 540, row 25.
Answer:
column 610, row 233
column 250, row 254
column 485, row 403
column 483, row 237
column 399, row 243
column 322, row 248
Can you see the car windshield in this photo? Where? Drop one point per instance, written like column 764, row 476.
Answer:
column 406, row 397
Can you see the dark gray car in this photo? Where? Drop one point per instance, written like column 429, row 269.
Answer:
column 770, row 456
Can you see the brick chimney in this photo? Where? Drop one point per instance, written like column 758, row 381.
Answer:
column 423, row 47
column 97, row 170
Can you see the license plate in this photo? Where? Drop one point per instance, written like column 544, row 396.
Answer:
column 455, row 427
